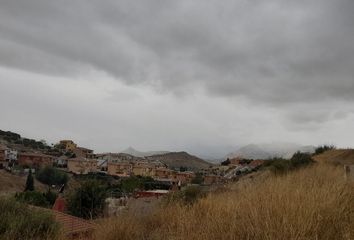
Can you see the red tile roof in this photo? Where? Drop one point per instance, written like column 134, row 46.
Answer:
column 73, row 225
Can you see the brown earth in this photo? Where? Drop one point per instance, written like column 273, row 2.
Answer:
column 10, row 183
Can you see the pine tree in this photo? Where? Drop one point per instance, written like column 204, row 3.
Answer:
column 29, row 182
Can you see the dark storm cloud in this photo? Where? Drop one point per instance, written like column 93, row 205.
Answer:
column 267, row 52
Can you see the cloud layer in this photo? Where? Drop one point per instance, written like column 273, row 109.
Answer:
column 288, row 63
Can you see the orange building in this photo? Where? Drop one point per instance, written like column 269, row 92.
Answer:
column 184, row 177
column 35, row 159
column 163, row 173
column 144, row 169
column 120, row 169
column 82, row 165
column 84, row 152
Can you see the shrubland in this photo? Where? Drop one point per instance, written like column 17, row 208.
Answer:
column 310, row 202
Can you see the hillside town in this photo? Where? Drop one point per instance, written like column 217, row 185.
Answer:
column 164, row 173
column 80, row 161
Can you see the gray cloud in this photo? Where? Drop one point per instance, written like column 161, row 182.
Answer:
column 281, row 55
column 271, row 51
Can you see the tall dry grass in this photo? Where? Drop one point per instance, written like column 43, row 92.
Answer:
column 311, row 203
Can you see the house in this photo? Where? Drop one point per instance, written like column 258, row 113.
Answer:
column 62, row 161
column 81, row 165
column 34, row 159
column 120, row 169
column 184, row 177
column 68, row 145
column 143, row 169
column 84, row 152
column 163, row 173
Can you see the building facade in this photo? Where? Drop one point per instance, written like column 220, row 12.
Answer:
column 81, row 165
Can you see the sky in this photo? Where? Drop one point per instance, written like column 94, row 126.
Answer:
column 200, row 76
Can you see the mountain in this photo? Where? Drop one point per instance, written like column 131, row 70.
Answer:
column 136, row 153
column 266, row 151
column 175, row 160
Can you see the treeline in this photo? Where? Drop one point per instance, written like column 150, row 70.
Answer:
column 16, row 138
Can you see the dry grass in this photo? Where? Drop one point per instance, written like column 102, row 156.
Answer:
column 312, row 203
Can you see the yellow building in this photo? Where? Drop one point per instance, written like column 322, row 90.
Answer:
column 144, row 169
column 82, row 165
column 120, row 169
column 69, row 145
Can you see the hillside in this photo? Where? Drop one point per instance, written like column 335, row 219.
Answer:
column 338, row 156
column 175, row 160
column 312, row 203
column 12, row 183
column 266, row 151
column 22, row 144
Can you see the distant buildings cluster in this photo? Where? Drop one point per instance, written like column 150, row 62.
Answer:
column 80, row 160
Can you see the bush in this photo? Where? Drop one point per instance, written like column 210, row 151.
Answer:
column 33, row 198
column 51, row 176
column 135, row 182
column 300, row 159
column 226, row 162
column 88, row 200
column 281, row 166
column 187, row 196
column 198, row 179
column 18, row 221
column 278, row 165
column 323, row 148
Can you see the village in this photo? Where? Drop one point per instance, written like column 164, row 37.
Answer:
column 76, row 161
column 80, row 161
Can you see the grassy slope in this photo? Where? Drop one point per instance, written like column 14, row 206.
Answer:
column 313, row 203
column 12, row 183
column 339, row 156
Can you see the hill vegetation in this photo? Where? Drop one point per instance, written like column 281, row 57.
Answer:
column 311, row 203
column 336, row 156
column 19, row 221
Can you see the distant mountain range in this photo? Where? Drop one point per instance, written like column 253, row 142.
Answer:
column 176, row 160
column 266, row 151
column 136, row 153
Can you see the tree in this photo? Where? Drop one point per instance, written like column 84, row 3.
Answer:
column 300, row 159
column 29, row 182
column 226, row 162
column 88, row 200
column 324, row 148
column 198, row 179
column 51, row 176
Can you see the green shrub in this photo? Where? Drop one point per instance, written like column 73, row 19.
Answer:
column 135, row 182
column 198, row 179
column 18, row 221
column 323, row 148
column 32, row 198
column 51, row 176
column 189, row 195
column 278, row 165
column 88, row 200
column 300, row 159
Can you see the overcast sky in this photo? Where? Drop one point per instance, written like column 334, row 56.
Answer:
column 202, row 76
